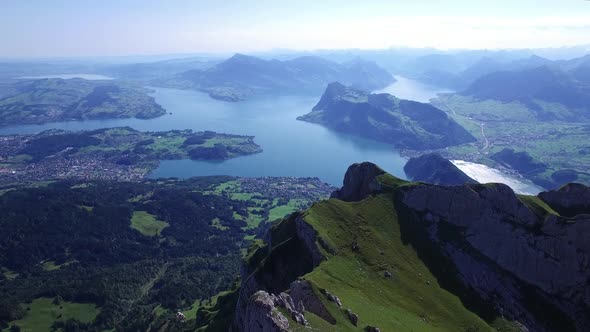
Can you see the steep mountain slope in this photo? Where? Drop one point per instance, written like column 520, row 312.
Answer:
column 403, row 123
column 434, row 169
column 241, row 76
column 415, row 257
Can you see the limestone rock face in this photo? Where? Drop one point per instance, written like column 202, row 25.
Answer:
column 289, row 261
column 263, row 316
column 360, row 181
column 500, row 247
column 301, row 292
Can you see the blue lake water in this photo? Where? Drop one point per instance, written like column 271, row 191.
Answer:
column 406, row 88
column 291, row 147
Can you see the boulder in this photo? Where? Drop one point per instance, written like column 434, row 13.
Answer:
column 354, row 318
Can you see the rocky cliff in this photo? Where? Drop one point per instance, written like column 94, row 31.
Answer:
column 533, row 267
column 387, row 254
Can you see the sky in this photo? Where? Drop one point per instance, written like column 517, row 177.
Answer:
column 39, row 28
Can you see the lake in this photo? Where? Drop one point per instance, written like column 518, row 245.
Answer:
column 485, row 174
column 291, row 147
column 406, row 88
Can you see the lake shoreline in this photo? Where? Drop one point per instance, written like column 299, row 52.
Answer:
column 290, row 147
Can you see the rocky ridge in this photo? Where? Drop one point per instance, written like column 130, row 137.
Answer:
column 514, row 256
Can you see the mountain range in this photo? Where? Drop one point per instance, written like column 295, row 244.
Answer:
column 241, row 76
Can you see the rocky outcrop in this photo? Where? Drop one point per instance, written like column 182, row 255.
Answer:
column 292, row 251
column 506, row 252
column 434, row 169
column 302, row 292
column 262, row 315
column 354, row 318
column 360, row 181
column 332, row 298
column 570, row 200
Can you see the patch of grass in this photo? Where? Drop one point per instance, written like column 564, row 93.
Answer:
column 219, row 315
column 232, row 185
column 412, row 300
column 243, row 196
column 51, row 266
column 80, row 185
column 141, row 197
column 147, row 224
column 537, row 205
column 237, row 216
column 217, row 224
column 9, row 274
column 86, row 207
column 159, row 311
column 191, row 312
column 42, row 313
column 281, row 211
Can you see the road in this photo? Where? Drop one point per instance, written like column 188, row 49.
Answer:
column 483, row 134
column 486, row 142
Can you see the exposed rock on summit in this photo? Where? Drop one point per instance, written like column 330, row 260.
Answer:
column 360, row 181
column 506, row 252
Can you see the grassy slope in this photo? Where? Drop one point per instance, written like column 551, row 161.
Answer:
column 42, row 313
column 537, row 205
column 281, row 211
column 406, row 302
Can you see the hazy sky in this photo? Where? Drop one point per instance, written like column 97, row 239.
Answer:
column 125, row 27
